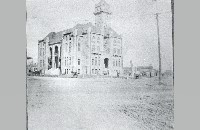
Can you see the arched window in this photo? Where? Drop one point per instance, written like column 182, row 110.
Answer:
column 56, row 49
column 50, row 52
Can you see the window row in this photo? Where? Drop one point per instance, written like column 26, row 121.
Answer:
column 95, row 48
column 95, row 71
column 117, row 63
column 116, row 51
column 68, row 61
column 96, row 61
column 42, row 52
column 68, row 71
column 42, row 45
column 69, row 47
column 42, row 63
column 116, row 41
column 70, row 38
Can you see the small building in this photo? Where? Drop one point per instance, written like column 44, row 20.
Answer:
column 147, row 71
column 31, row 67
column 168, row 73
column 127, row 71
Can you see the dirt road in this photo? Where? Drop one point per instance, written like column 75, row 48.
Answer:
column 99, row 104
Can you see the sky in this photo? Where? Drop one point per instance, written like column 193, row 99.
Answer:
column 135, row 20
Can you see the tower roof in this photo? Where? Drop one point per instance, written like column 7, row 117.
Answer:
column 102, row 2
column 102, row 6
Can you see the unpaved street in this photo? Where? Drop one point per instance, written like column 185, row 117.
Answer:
column 99, row 104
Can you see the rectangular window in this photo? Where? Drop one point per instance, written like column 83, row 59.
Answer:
column 98, row 49
column 99, row 62
column 66, row 47
column 79, row 62
column 92, row 61
column 40, row 51
column 118, row 51
column 116, row 62
column 95, row 60
column 70, row 47
column 96, row 71
column 93, row 48
column 43, row 52
column 92, row 71
column 69, row 60
column 40, row 63
column 79, row 46
column 114, row 51
column 72, row 61
column 79, row 71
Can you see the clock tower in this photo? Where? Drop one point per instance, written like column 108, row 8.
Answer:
column 102, row 14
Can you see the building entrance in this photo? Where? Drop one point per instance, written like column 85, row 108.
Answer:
column 106, row 62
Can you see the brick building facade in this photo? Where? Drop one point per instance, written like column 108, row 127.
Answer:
column 86, row 48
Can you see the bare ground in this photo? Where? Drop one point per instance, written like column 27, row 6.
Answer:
column 99, row 104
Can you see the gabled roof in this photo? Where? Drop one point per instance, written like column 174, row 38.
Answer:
column 81, row 28
column 102, row 2
column 111, row 32
column 55, row 37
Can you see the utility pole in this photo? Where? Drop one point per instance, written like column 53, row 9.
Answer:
column 172, row 10
column 159, row 53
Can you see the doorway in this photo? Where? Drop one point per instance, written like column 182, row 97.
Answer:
column 106, row 62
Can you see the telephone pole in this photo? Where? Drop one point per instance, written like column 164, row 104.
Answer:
column 159, row 53
column 172, row 10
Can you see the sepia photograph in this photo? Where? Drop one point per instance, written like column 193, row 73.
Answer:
column 100, row 64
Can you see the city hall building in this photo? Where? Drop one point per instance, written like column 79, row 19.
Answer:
column 86, row 48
